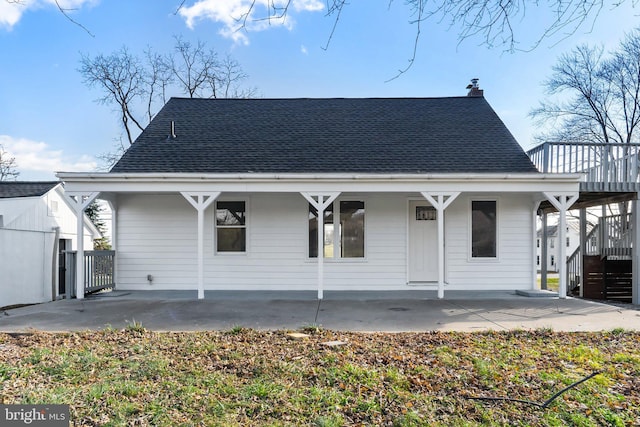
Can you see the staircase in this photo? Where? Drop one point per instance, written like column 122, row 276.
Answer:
column 607, row 261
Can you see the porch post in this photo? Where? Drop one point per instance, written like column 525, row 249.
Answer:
column 320, row 201
column 635, row 250
column 201, row 201
column 544, row 252
column 440, row 201
column 80, row 201
column 583, row 247
column 562, row 202
column 534, row 226
column 114, row 207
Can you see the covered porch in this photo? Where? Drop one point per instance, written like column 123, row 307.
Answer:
column 190, row 236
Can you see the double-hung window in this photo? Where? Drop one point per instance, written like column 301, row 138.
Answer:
column 231, row 226
column 343, row 230
column 484, row 229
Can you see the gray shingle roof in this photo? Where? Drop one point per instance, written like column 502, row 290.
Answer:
column 366, row 135
column 9, row 189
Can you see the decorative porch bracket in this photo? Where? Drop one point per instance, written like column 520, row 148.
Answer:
column 201, row 201
column 320, row 201
column 440, row 201
column 562, row 202
column 80, row 201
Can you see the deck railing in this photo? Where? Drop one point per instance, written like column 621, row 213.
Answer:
column 616, row 236
column 99, row 271
column 574, row 262
column 607, row 167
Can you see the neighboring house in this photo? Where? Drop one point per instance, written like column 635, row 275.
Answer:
column 571, row 242
column 335, row 194
column 36, row 225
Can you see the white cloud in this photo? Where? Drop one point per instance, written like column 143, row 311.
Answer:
column 234, row 14
column 12, row 11
column 35, row 158
column 303, row 49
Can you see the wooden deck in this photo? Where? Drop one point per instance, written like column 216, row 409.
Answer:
column 611, row 174
column 607, row 168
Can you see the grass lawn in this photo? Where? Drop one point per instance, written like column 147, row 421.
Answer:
column 552, row 283
column 248, row 378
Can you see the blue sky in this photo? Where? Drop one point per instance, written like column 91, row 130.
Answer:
column 49, row 121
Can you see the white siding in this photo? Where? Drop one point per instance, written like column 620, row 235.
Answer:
column 157, row 235
column 512, row 268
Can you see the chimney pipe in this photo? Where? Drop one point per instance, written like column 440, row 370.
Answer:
column 474, row 88
column 172, row 135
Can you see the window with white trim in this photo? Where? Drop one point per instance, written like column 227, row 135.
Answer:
column 343, row 230
column 484, row 229
column 231, row 226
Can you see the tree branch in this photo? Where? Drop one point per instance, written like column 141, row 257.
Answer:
column 64, row 12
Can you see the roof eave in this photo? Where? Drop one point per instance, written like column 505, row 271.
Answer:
column 191, row 177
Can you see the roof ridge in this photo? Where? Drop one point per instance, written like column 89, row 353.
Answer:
column 29, row 182
column 377, row 98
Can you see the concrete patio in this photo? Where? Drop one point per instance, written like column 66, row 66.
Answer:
column 354, row 311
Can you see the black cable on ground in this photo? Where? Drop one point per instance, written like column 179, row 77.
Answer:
column 543, row 405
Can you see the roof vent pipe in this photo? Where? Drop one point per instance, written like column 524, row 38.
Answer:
column 172, row 135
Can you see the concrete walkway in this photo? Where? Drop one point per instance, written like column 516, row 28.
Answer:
column 352, row 311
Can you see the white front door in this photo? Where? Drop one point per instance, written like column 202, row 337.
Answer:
column 423, row 242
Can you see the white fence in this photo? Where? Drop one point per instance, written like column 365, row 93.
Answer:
column 26, row 266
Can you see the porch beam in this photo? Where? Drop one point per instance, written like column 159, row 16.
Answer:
column 562, row 202
column 79, row 202
column 440, row 201
column 200, row 201
column 320, row 201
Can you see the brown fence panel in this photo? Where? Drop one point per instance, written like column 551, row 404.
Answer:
column 594, row 277
column 618, row 280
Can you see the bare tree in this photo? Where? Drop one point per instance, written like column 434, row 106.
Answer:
column 138, row 86
column 121, row 77
column 8, row 166
column 199, row 72
column 599, row 94
column 599, row 97
column 157, row 79
column 230, row 78
column 195, row 68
